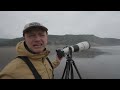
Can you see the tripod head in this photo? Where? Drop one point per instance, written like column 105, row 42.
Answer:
column 69, row 55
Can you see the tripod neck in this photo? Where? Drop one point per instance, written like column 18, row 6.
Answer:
column 69, row 58
column 70, row 53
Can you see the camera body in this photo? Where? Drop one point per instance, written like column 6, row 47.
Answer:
column 75, row 48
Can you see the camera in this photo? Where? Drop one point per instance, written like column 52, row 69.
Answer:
column 75, row 48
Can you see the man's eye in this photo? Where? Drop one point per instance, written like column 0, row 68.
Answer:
column 42, row 35
column 31, row 35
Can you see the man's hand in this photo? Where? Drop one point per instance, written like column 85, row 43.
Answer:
column 60, row 54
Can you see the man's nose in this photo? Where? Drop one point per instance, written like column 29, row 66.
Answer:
column 38, row 38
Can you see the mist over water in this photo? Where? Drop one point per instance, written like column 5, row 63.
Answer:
column 97, row 63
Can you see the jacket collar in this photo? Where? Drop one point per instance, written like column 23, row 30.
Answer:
column 23, row 50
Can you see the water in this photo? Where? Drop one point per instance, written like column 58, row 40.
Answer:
column 102, row 66
column 106, row 66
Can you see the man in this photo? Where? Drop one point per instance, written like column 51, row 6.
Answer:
column 33, row 47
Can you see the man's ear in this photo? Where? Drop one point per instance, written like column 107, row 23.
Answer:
column 23, row 38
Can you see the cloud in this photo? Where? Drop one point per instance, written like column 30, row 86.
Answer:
column 100, row 23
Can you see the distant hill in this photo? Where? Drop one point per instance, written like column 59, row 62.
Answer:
column 68, row 40
column 74, row 39
column 9, row 42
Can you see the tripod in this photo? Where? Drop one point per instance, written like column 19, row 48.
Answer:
column 68, row 71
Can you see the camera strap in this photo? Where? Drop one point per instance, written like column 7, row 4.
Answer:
column 50, row 62
column 31, row 66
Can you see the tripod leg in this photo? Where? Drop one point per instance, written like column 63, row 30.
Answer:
column 67, row 70
column 72, row 75
column 77, row 70
column 64, row 70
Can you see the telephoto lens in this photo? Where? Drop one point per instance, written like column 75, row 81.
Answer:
column 75, row 48
column 78, row 47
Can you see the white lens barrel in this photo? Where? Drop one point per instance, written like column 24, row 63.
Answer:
column 78, row 47
column 66, row 50
column 83, row 45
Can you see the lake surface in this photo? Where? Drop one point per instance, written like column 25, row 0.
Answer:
column 103, row 66
column 106, row 66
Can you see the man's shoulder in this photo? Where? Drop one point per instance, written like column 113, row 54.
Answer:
column 16, row 61
column 13, row 64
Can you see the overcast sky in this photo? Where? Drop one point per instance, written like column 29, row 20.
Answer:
column 105, row 24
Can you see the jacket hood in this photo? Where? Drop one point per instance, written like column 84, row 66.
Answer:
column 22, row 51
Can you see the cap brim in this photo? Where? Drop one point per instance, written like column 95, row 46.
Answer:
column 30, row 28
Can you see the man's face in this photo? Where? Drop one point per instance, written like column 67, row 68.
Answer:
column 36, row 40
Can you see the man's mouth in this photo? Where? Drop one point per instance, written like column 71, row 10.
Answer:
column 37, row 45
